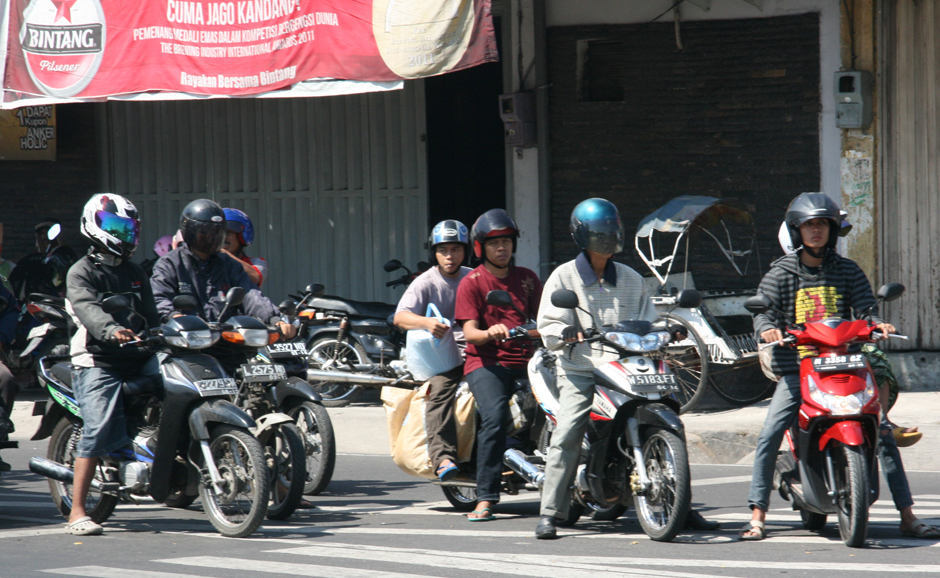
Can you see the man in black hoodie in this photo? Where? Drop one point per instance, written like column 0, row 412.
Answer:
column 99, row 365
column 812, row 284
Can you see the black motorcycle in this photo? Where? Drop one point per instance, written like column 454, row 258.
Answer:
column 188, row 438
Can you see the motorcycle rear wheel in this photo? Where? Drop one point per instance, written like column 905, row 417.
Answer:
column 662, row 510
column 287, row 470
column 462, row 499
column 812, row 521
column 316, row 432
column 62, row 446
column 239, row 457
column 328, row 353
column 177, row 499
column 852, row 476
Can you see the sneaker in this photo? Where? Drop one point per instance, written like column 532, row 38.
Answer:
column 5, row 467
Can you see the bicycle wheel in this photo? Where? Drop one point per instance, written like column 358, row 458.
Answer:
column 332, row 355
column 689, row 362
column 741, row 386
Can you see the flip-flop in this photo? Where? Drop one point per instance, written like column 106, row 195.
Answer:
column 906, row 439
column 921, row 530
column 484, row 518
column 448, row 473
column 753, row 526
column 84, row 527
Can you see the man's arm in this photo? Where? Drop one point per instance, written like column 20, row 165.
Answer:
column 552, row 320
column 766, row 325
column 83, row 297
column 163, row 284
column 407, row 320
column 254, row 275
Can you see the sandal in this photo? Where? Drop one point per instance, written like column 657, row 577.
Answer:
column 484, row 515
column 920, row 530
column 906, row 439
column 445, row 473
column 753, row 526
column 84, row 527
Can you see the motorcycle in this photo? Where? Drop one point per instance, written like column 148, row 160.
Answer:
column 188, row 438
column 353, row 336
column 831, row 466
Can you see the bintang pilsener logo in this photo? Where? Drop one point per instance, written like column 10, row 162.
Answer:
column 63, row 42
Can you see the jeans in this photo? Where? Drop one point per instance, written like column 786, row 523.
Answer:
column 783, row 410
column 491, row 387
column 575, row 395
column 439, row 416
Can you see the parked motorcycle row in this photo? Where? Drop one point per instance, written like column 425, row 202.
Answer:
column 272, row 441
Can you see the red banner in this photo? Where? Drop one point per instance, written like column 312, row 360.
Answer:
column 92, row 49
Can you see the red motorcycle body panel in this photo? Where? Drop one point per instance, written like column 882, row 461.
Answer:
column 848, row 432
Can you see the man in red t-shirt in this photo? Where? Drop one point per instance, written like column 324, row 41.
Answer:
column 493, row 363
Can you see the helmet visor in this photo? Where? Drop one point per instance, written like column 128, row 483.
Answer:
column 122, row 228
column 205, row 237
column 604, row 236
column 235, row 226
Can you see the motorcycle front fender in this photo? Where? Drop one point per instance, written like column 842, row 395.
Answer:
column 848, row 432
column 267, row 423
column 660, row 415
column 293, row 387
column 217, row 411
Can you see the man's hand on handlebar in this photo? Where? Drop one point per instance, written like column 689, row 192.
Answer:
column 885, row 329
column 498, row 332
column 772, row 336
column 123, row 336
column 571, row 334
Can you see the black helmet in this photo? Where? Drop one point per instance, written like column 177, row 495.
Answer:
column 493, row 224
column 203, row 226
column 448, row 231
column 813, row 206
column 596, row 226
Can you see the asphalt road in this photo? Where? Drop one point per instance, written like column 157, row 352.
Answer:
column 376, row 522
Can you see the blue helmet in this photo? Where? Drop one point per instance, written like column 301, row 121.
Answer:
column 596, row 226
column 238, row 222
column 448, row 231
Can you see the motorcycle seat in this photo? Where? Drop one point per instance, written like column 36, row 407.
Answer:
column 374, row 309
column 63, row 373
column 141, row 385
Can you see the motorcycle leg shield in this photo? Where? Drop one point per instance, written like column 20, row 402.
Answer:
column 850, row 433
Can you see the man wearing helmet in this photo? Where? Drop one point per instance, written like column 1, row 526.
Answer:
column 810, row 284
column 239, row 234
column 99, row 365
column 196, row 268
column 449, row 244
column 492, row 363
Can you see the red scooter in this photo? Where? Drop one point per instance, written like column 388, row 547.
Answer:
column 832, row 465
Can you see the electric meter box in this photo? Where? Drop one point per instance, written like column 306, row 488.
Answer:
column 853, row 99
column 518, row 113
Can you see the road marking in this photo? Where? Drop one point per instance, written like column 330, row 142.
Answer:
column 891, row 518
column 44, row 521
column 717, row 481
column 24, row 504
column 103, row 572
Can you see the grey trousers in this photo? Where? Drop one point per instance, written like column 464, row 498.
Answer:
column 575, row 394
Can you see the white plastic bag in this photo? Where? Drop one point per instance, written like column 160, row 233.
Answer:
column 427, row 356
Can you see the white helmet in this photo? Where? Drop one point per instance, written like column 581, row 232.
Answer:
column 110, row 222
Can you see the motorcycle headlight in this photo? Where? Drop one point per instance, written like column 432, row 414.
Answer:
column 632, row 342
column 842, row 405
column 199, row 339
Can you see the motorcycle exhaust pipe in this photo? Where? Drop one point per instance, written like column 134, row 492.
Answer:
column 515, row 460
column 343, row 377
column 60, row 473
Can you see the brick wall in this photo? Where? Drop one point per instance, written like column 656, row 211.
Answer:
column 32, row 191
column 734, row 115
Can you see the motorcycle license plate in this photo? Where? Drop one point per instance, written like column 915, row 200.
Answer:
column 38, row 331
column 220, row 386
column 288, row 349
column 839, row 363
column 263, row 372
column 654, row 383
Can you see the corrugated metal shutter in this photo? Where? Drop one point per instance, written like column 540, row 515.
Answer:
column 910, row 204
column 335, row 186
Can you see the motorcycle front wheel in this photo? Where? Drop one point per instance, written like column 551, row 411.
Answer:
column 287, row 470
column 852, row 475
column 62, row 447
column 239, row 508
column 662, row 509
column 316, row 432
column 329, row 354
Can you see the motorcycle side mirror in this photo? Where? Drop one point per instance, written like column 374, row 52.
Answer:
column 758, row 304
column 185, row 303
column 423, row 266
column 287, row 307
column 565, row 299
column 235, row 297
column 890, row 292
column 315, row 289
column 499, row 299
column 689, row 299
column 53, row 231
column 393, row 265
column 115, row 303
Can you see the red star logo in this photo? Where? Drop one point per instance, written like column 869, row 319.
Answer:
column 63, row 9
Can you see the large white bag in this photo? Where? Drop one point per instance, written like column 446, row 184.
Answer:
column 426, row 355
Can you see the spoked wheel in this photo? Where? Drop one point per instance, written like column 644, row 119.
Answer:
column 688, row 360
column 852, row 476
column 238, row 507
column 812, row 521
column 316, row 432
column 328, row 354
column 742, row 385
column 663, row 508
column 62, row 447
column 287, row 471
column 462, row 499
